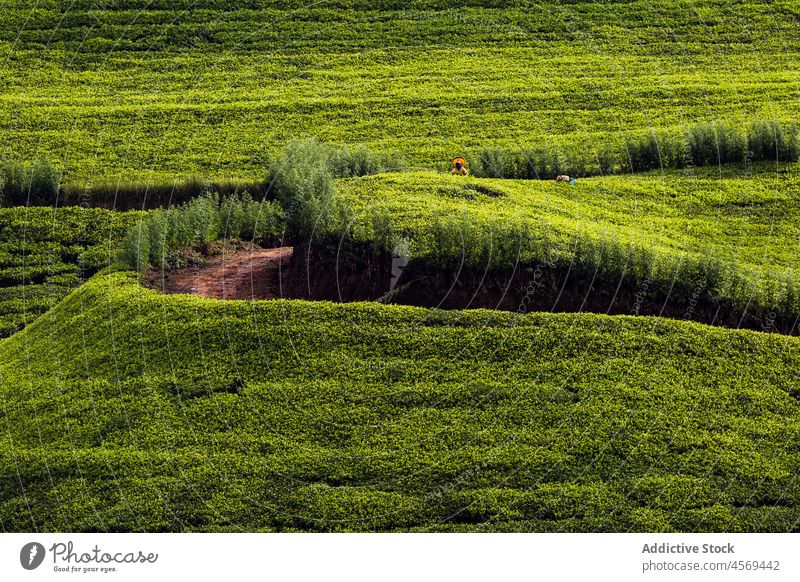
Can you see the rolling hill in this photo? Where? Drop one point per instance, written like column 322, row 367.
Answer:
column 128, row 410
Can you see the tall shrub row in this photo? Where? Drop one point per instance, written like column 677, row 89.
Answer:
column 39, row 183
column 303, row 174
column 32, row 184
column 157, row 238
column 704, row 144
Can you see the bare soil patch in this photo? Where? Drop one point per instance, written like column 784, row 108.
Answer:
column 250, row 273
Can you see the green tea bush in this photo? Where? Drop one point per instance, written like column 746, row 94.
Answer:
column 203, row 216
column 38, row 183
column 410, row 104
column 143, row 195
column 469, row 420
column 179, row 232
column 158, row 233
column 537, row 163
column 260, row 220
column 136, row 250
column 232, row 217
column 771, row 141
column 731, row 144
column 349, row 162
column 711, row 144
column 303, row 178
column 15, row 182
column 644, row 152
column 704, row 144
column 46, row 252
column 44, row 182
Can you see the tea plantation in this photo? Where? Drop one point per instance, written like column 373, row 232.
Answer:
column 147, row 91
column 128, row 410
column 125, row 409
column 733, row 233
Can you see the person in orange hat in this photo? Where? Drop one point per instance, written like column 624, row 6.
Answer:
column 459, row 167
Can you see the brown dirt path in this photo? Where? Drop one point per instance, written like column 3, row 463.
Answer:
column 241, row 274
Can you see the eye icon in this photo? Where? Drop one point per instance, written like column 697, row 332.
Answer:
column 31, row 555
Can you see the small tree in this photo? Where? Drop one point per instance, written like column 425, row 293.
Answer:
column 45, row 181
column 158, row 227
column 231, row 214
column 15, row 183
column 204, row 220
column 136, row 249
column 303, row 183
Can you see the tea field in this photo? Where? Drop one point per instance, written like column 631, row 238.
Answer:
column 152, row 91
column 128, row 410
column 125, row 409
column 45, row 253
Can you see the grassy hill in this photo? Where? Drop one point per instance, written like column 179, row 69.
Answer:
column 125, row 409
column 150, row 90
column 748, row 219
column 731, row 233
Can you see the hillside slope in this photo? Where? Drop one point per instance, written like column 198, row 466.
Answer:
column 149, row 90
column 47, row 252
column 125, row 409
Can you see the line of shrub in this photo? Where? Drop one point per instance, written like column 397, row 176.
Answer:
column 298, row 196
column 132, row 195
column 29, row 184
column 704, row 144
column 157, row 239
column 39, row 183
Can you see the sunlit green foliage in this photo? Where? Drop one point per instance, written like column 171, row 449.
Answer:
column 159, row 236
column 129, row 410
column 147, row 92
column 732, row 234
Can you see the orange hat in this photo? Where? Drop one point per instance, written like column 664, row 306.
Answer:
column 461, row 160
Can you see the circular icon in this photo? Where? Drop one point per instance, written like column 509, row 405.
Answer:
column 31, row 555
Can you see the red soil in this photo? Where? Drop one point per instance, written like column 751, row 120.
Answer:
column 241, row 274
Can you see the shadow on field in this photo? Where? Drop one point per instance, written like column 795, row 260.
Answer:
column 316, row 274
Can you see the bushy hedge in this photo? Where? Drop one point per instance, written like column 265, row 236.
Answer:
column 303, row 181
column 143, row 195
column 298, row 194
column 155, row 240
column 38, row 183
